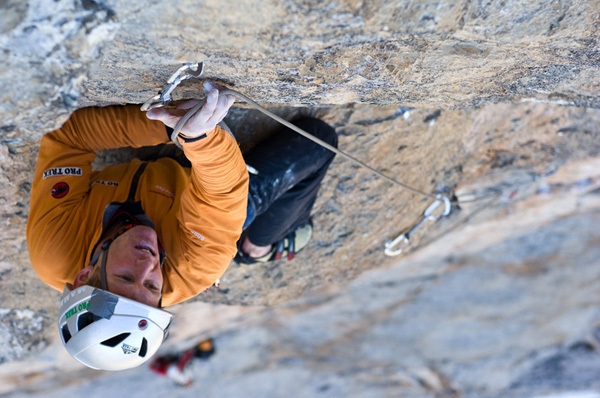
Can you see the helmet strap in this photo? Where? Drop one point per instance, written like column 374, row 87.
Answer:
column 104, row 250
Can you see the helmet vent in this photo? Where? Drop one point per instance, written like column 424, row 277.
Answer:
column 144, row 348
column 116, row 340
column 66, row 335
column 84, row 320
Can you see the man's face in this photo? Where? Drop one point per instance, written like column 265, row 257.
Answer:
column 133, row 266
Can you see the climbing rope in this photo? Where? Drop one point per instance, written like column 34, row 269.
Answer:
column 195, row 70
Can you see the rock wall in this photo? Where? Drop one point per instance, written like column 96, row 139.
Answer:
column 493, row 102
column 427, row 54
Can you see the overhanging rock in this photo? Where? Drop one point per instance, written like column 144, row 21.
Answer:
column 430, row 55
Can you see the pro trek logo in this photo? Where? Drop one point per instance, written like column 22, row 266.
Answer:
column 63, row 171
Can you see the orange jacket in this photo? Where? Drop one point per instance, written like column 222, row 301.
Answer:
column 198, row 212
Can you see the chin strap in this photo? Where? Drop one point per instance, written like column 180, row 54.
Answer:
column 104, row 250
column 103, row 265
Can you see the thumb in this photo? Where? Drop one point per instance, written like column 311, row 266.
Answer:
column 155, row 114
column 165, row 115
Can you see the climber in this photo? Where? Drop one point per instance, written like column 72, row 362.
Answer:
column 124, row 241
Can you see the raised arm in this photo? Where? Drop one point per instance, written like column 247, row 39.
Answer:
column 212, row 208
column 62, row 182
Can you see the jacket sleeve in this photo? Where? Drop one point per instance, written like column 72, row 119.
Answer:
column 95, row 128
column 210, row 217
column 57, row 228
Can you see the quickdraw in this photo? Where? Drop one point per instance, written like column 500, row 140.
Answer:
column 187, row 71
column 395, row 247
column 195, row 70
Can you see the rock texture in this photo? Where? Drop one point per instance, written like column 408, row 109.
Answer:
column 477, row 314
column 48, row 49
column 494, row 103
column 434, row 54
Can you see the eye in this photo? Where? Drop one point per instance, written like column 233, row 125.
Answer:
column 126, row 278
column 152, row 287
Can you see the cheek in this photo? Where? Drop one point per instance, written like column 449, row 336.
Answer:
column 118, row 255
column 160, row 277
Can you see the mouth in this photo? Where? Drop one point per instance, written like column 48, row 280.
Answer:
column 146, row 248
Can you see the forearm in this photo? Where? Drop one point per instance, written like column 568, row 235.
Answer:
column 211, row 214
column 96, row 128
column 217, row 164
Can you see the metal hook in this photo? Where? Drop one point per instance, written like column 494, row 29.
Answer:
column 187, row 71
column 395, row 247
column 447, row 207
column 390, row 246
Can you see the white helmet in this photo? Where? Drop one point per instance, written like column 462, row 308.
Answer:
column 105, row 331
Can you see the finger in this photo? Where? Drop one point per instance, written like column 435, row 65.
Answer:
column 153, row 114
column 168, row 116
column 223, row 105
column 209, row 86
column 188, row 104
column 158, row 114
column 225, row 102
column 198, row 122
column 230, row 101
column 208, row 109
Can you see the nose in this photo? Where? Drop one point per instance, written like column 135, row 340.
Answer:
column 147, row 268
column 147, row 260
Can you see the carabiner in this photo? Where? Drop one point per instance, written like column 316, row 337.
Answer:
column 401, row 241
column 187, row 71
column 447, row 207
column 404, row 240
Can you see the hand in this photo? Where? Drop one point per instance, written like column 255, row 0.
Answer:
column 204, row 121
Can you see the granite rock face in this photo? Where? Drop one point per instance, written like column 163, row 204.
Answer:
column 49, row 48
column 494, row 103
column 62, row 54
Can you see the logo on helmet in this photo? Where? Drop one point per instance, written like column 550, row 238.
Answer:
column 128, row 349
